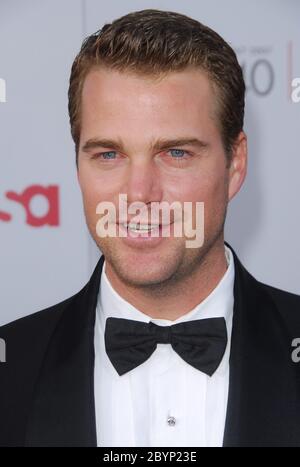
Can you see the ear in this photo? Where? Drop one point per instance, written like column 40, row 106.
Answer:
column 238, row 165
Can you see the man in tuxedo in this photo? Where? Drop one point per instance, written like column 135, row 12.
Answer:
column 165, row 345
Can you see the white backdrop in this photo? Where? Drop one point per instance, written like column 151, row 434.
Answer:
column 48, row 256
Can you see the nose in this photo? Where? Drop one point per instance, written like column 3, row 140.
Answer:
column 142, row 182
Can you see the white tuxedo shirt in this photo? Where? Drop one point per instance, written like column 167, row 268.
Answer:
column 164, row 401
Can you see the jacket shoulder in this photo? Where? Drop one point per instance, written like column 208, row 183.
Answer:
column 35, row 324
column 287, row 304
column 25, row 341
column 282, row 297
column 27, row 338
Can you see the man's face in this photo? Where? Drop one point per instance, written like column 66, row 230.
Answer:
column 136, row 113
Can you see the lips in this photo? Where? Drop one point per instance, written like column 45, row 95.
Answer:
column 142, row 238
column 126, row 223
column 147, row 220
column 149, row 236
column 142, row 228
column 138, row 226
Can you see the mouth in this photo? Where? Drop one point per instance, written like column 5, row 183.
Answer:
column 141, row 228
column 152, row 234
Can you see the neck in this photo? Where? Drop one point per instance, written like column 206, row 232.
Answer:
column 171, row 301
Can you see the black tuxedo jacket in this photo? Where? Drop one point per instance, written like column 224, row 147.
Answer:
column 47, row 381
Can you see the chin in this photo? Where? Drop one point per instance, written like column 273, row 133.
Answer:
column 140, row 275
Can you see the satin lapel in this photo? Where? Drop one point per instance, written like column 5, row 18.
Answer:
column 263, row 401
column 63, row 411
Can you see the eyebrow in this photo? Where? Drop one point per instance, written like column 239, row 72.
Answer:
column 158, row 145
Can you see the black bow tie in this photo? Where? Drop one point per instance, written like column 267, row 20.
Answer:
column 201, row 343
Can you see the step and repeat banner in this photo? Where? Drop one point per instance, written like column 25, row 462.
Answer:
column 46, row 253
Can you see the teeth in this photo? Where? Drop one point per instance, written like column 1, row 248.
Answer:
column 139, row 228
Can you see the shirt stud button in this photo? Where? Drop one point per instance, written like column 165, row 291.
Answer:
column 171, row 421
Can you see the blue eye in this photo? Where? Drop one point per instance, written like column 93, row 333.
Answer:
column 108, row 154
column 178, row 153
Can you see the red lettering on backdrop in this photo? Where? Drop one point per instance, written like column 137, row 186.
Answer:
column 50, row 193
column 4, row 216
